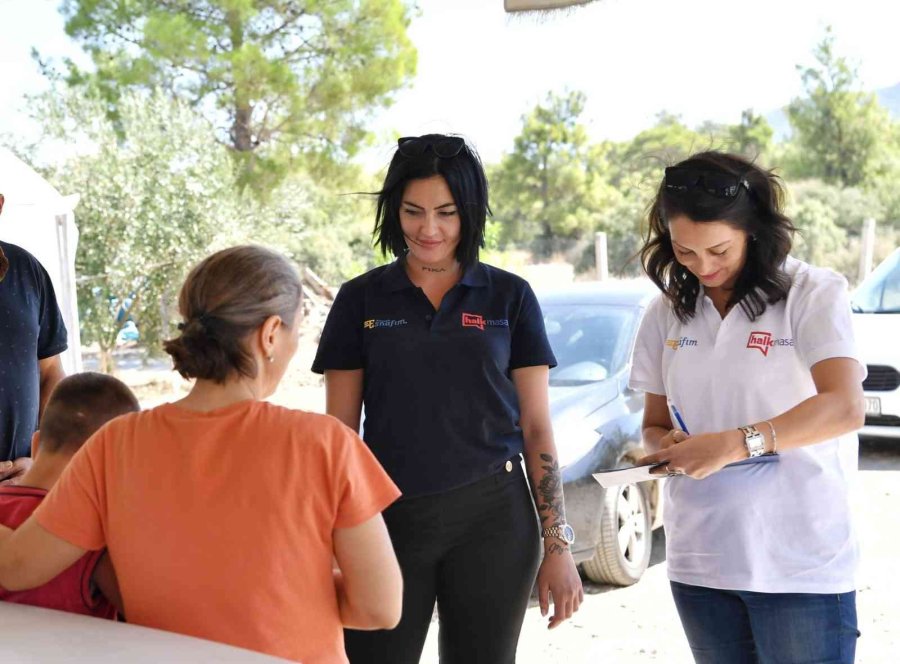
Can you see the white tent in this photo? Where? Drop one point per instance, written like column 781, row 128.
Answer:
column 37, row 218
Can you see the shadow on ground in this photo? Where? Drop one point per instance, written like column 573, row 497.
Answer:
column 879, row 454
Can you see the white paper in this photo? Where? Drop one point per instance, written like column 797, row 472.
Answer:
column 620, row 476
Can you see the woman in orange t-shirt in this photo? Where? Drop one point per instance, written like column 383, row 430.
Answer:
column 222, row 513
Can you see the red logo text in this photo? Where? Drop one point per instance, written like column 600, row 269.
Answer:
column 761, row 341
column 473, row 320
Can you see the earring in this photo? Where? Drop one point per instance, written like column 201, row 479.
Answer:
column 271, row 358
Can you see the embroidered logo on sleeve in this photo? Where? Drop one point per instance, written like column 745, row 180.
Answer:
column 675, row 344
column 763, row 341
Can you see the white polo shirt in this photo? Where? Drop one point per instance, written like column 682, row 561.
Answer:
column 780, row 527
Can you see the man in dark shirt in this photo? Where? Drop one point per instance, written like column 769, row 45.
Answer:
column 32, row 336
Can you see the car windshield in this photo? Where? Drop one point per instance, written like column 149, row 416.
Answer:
column 590, row 341
column 879, row 293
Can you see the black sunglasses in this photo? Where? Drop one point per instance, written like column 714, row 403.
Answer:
column 686, row 180
column 446, row 147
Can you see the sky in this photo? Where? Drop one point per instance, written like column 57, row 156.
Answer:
column 480, row 69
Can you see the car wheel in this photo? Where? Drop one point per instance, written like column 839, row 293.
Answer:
column 623, row 552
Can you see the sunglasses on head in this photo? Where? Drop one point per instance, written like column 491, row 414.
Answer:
column 687, row 180
column 445, row 147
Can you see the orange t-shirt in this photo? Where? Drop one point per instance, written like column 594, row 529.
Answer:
column 219, row 524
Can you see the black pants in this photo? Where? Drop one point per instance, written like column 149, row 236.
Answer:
column 474, row 550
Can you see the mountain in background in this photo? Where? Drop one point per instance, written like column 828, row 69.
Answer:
column 887, row 97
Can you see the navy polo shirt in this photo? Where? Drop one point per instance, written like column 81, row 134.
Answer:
column 441, row 410
column 31, row 329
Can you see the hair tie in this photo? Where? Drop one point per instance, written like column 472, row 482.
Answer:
column 203, row 318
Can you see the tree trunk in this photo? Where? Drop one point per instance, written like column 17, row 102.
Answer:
column 107, row 362
column 241, row 135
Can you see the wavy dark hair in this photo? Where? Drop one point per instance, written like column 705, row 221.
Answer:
column 757, row 209
column 468, row 185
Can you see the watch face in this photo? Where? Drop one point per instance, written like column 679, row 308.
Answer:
column 568, row 533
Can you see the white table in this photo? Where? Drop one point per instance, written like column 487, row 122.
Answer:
column 34, row 635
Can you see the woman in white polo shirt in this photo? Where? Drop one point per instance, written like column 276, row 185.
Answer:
column 748, row 351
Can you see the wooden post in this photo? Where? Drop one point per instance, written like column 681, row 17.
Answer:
column 601, row 256
column 867, row 248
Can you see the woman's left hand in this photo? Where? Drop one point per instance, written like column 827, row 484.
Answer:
column 558, row 578
column 701, row 455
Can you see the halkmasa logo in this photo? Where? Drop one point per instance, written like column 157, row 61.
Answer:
column 763, row 341
column 479, row 321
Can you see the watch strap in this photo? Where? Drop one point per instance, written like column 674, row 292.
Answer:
column 559, row 532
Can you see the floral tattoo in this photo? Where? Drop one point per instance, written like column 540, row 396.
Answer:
column 549, row 493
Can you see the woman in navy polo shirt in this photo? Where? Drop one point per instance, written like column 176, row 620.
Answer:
column 746, row 352
column 451, row 360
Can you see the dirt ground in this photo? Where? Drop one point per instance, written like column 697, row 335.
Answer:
column 638, row 623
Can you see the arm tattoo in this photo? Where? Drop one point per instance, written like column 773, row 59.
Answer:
column 556, row 548
column 549, row 493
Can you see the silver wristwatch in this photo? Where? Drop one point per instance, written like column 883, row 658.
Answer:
column 754, row 440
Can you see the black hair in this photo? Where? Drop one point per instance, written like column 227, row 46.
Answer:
column 226, row 297
column 79, row 405
column 757, row 209
column 464, row 174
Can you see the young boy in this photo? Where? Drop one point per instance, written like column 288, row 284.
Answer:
column 78, row 406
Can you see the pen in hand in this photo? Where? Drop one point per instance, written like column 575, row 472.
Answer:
column 678, row 419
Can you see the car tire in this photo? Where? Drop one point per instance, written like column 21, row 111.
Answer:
column 626, row 536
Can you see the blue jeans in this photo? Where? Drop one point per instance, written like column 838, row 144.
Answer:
column 740, row 627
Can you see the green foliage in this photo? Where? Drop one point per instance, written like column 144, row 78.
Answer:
column 552, row 185
column 327, row 230
column 836, row 127
column 149, row 205
column 642, row 159
column 556, row 188
column 848, row 206
column 883, row 182
column 158, row 193
column 288, row 84
column 821, row 237
column 752, row 136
